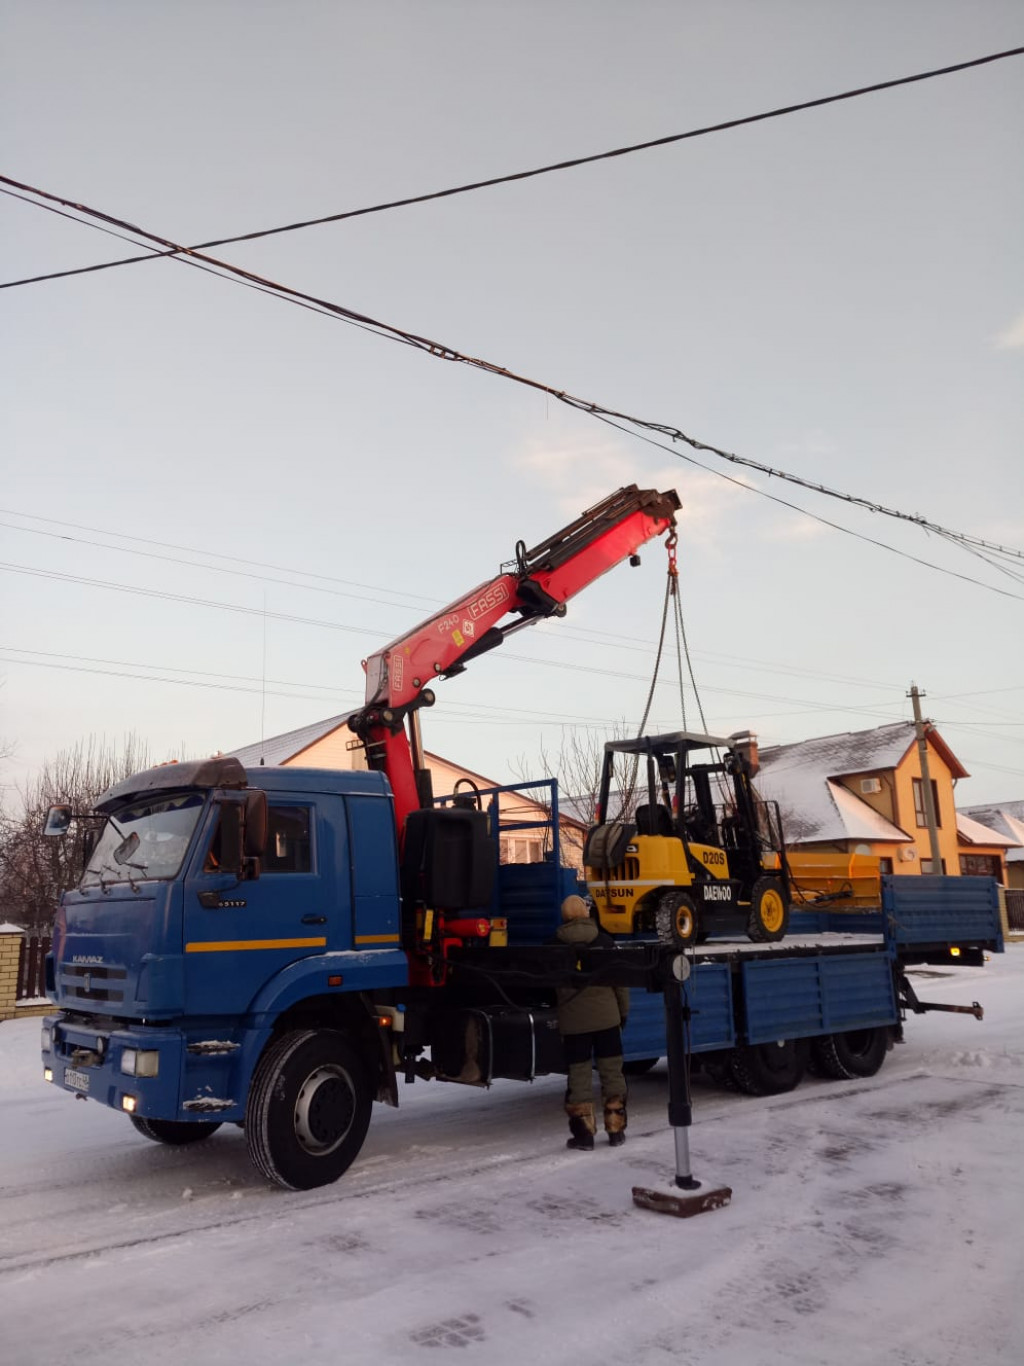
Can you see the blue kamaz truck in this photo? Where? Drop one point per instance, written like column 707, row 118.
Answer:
column 234, row 953
column 277, row 947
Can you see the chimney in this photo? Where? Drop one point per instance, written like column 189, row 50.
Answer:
column 744, row 744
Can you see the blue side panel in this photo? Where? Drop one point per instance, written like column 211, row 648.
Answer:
column 799, row 997
column 709, row 992
column 374, row 863
column 530, row 896
column 709, row 995
column 836, row 922
column 943, row 910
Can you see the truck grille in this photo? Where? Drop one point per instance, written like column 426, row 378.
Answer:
column 94, row 982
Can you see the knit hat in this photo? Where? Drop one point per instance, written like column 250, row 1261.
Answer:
column 575, row 908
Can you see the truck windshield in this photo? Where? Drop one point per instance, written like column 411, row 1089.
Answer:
column 144, row 841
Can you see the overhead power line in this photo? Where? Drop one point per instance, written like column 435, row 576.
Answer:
column 989, row 551
column 137, row 591
column 441, row 351
column 632, row 643
column 512, row 176
column 237, row 682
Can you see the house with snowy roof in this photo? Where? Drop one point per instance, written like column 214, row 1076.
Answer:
column 330, row 744
column 1004, row 820
column 863, row 792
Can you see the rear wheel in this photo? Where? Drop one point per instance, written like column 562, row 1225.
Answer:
column 173, row 1131
column 676, row 919
column 308, row 1109
column 769, row 1069
column 857, row 1053
column 769, row 911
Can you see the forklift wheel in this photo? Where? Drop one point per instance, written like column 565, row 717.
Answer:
column 769, row 911
column 676, row 919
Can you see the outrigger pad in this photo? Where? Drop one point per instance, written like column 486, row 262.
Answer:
column 683, row 1204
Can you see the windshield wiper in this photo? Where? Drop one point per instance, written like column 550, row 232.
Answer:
column 98, row 874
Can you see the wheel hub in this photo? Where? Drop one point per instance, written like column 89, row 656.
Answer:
column 772, row 910
column 324, row 1110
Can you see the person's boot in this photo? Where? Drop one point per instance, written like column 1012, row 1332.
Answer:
column 581, row 1126
column 615, row 1120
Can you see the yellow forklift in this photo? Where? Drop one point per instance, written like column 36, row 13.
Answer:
column 692, row 851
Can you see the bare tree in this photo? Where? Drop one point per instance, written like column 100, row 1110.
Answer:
column 577, row 766
column 35, row 869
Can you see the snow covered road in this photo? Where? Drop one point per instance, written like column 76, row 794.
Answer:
column 872, row 1222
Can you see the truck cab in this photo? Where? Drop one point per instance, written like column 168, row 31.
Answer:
column 217, row 903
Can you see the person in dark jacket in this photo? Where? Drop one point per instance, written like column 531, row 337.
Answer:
column 590, row 1020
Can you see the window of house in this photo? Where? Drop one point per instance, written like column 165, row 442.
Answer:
column 521, row 849
column 885, row 865
column 928, row 866
column 981, row 865
column 919, row 811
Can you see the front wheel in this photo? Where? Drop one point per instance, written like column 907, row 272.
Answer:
column 173, row 1131
column 676, row 919
column 769, row 911
column 308, row 1109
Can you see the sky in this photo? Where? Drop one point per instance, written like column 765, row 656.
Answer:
column 870, row 1221
column 216, row 504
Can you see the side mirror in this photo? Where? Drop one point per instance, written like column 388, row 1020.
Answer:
column 254, row 839
column 58, row 819
column 126, row 848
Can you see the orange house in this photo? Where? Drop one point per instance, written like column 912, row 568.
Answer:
column 862, row 792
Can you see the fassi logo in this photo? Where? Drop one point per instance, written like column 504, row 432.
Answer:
column 486, row 602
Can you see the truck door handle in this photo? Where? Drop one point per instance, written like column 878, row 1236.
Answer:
column 314, row 920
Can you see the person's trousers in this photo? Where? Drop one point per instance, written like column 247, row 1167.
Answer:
column 604, row 1046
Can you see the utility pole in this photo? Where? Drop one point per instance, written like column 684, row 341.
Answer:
column 926, row 780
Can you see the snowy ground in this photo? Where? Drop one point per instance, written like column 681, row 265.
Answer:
column 872, row 1222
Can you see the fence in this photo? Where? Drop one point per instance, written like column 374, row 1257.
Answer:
column 22, row 969
column 32, row 967
column 1015, row 910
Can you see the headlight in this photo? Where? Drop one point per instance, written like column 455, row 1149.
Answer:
column 46, row 1038
column 140, row 1062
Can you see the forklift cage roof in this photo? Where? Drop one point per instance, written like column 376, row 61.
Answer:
column 661, row 744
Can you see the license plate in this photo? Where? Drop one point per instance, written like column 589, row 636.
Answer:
column 78, row 1081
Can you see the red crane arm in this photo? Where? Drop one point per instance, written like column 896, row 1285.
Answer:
column 538, row 584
